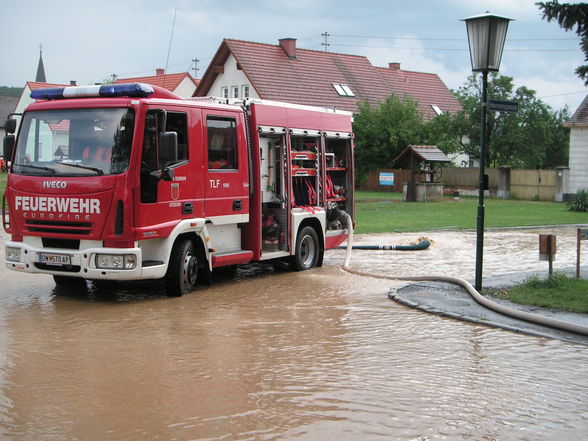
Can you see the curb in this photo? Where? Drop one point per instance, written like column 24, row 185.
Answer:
column 454, row 302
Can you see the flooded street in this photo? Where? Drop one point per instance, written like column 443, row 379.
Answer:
column 270, row 355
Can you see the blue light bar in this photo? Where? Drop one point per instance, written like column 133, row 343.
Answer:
column 133, row 90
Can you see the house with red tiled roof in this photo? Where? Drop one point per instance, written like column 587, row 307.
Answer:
column 429, row 91
column 182, row 84
column 577, row 175
column 25, row 97
column 283, row 72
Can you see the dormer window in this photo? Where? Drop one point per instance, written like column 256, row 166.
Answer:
column 343, row 89
column 437, row 110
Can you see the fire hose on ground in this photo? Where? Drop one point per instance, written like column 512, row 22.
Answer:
column 485, row 302
column 422, row 245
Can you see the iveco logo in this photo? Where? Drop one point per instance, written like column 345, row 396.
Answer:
column 54, row 184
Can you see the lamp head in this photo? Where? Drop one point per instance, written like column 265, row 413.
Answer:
column 486, row 37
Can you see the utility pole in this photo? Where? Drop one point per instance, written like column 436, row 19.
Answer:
column 114, row 78
column 195, row 68
column 326, row 43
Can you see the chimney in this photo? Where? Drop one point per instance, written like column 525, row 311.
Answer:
column 73, row 83
column 394, row 66
column 159, row 71
column 289, row 46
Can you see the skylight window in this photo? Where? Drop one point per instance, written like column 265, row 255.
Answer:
column 343, row 89
column 437, row 110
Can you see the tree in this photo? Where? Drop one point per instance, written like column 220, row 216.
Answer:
column 382, row 132
column 534, row 137
column 10, row 91
column 569, row 16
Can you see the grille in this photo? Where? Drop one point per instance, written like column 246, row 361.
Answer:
column 43, row 226
column 65, row 269
column 69, row 244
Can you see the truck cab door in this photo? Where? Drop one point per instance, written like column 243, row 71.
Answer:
column 169, row 187
column 227, row 175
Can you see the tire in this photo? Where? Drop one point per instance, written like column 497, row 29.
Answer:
column 67, row 281
column 307, row 249
column 182, row 271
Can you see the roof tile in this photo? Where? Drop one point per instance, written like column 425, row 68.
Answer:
column 308, row 78
column 166, row 81
column 580, row 116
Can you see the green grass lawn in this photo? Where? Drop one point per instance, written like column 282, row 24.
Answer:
column 3, row 177
column 557, row 292
column 382, row 212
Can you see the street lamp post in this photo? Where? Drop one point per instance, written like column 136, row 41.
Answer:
column 486, row 37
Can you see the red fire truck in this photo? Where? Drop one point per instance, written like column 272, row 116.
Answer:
column 132, row 182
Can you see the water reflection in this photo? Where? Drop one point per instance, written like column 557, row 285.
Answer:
column 265, row 355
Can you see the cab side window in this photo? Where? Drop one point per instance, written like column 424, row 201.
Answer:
column 150, row 162
column 177, row 122
column 222, row 143
column 174, row 122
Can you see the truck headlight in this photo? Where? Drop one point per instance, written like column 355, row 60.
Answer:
column 116, row 261
column 12, row 254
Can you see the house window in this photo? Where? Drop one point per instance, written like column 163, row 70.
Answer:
column 343, row 89
column 224, row 92
column 437, row 110
column 245, row 90
column 235, row 93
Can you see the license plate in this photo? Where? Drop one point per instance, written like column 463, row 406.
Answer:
column 54, row 259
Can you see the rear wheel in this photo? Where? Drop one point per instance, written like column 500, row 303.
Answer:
column 182, row 271
column 307, row 249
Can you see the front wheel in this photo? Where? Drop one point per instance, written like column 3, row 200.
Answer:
column 307, row 249
column 182, row 271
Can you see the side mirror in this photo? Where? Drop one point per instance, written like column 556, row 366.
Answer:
column 8, row 146
column 10, row 125
column 168, row 148
column 165, row 174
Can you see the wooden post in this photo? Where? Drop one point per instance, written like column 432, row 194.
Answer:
column 578, row 239
column 547, row 249
column 582, row 235
column 550, row 253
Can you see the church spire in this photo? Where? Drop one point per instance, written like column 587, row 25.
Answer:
column 40, row 78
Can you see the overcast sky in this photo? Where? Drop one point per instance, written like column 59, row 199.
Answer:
column 89, row 41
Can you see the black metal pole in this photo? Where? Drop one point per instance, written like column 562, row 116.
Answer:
column 480, row 227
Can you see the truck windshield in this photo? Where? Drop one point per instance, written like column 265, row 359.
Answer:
column 80, row 142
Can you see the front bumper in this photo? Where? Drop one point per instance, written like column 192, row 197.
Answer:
column 81, row 263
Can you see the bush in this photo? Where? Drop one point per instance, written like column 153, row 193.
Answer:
column 579, row 201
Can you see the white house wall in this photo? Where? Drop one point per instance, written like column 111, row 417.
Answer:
column 229, row 78
column 578, row 178
column 186, row 88
column 24, row 100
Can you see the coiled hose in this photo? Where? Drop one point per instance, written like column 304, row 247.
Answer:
column 521, row 315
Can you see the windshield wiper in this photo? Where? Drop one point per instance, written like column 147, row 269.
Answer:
column 37, row 167
column 98, row 171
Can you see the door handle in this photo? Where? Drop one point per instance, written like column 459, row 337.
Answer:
column 187, row 208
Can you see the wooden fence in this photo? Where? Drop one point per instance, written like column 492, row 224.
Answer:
column 469, row 177
column 533, row 184
column 373, row 181
column 524, row 184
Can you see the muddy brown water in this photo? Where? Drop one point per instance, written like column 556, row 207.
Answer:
column 271, row 355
